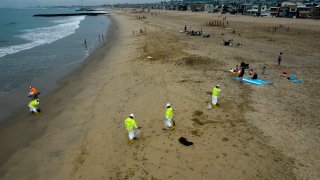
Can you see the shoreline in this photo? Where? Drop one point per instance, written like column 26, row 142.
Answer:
column 61, row 57
column 15, row 126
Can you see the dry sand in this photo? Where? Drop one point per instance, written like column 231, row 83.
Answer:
column 257, row 132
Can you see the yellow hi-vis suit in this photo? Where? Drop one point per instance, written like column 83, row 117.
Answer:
column 33, row 105
column 215, row 93
column 131, row 125
column 169, row 116
column 169, row 113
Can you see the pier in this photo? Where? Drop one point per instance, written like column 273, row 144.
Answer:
column 71, row 14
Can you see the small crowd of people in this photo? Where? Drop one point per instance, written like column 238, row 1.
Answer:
column 133, row 129
column 141, row 17
column 34, row 103
column 169, row 123
column 241, row 71
column 192, row 32
column 217, row 23
column 253, row 74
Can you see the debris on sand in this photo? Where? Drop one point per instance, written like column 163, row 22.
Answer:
column 185, row 142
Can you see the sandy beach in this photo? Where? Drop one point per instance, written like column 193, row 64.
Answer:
column 256, row 132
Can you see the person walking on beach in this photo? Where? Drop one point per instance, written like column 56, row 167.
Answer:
column 132, row 127
column 85, row 43
column 169, row 123
column 215, row 92
column 241, row 74
column 263, row 70
column 34, row 106
column 279, row 58
column 33, row 92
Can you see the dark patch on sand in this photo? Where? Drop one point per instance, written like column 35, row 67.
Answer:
column 197, row 113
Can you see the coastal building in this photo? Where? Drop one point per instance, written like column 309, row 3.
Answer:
column 242, row 8
column 296, row 10
column 227, row 8
column 309, row 12
column 196, row 7
column 254, row 8
column 209, row 8
column 274, row 11
column 288, row 9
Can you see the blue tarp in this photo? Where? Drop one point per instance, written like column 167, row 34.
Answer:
column 291, row 77
column 297, row 81
column 253, row 81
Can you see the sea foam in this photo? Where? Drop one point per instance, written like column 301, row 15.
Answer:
column 46, row 35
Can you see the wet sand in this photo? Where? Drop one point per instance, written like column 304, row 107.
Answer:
column 256, row 132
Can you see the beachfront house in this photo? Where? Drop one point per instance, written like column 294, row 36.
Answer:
column 181, row 7
column 242, row 8
column 209, row 8
column 274, row 11
column 252, row 9
column 288, row 9
column 315, row 12
column 227, row 8
column 309, row 12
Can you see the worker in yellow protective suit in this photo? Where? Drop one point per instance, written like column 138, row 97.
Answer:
column 215, row 92
column 132, row 127
column 169, row 123
column 34, row 106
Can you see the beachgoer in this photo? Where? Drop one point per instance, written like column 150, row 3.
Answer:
column 236, row 69
column 279, row 58
column 215, row 92
column 185, row 28
column 34, row 106
column 102, row 37
column 241, row 74
column 33, row 92
column 85, row 44
column 263, row 70
column 251, row 72
column 169, row 123
column 255, row 75
column 131, row 126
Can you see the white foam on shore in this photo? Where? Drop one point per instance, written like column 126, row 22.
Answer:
column 45, row 35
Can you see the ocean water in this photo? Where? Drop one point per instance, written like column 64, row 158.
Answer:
column 39, row 51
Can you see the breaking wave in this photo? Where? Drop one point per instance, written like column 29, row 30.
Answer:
column 45, row 35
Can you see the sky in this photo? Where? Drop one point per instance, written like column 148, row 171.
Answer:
column 29, row 3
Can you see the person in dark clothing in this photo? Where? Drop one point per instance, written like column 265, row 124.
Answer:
column 263, row 70
column 279, row 58
column 255, row 76
column 241, row 74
